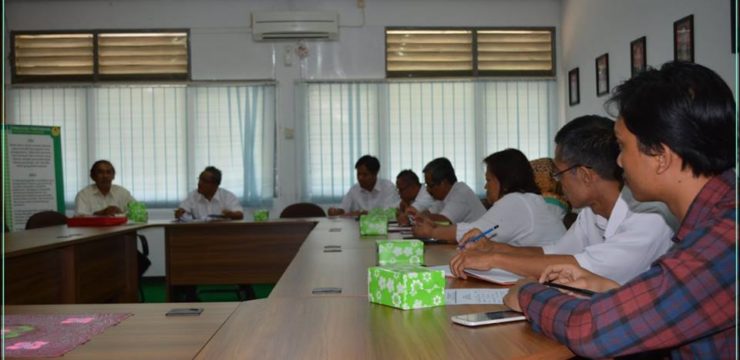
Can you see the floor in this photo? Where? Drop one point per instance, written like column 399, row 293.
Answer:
column 154, row 291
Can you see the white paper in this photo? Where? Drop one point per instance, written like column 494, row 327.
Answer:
column 496, row 276
column 474, row 296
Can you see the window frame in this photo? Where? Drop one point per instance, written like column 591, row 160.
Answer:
column 96, row 76
column 475, row 71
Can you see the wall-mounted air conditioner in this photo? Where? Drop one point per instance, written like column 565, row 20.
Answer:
column 280, row 25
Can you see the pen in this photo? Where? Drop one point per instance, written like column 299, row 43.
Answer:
column 478, row 237
column 583, row 292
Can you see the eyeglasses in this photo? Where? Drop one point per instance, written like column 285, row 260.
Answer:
column 430, row 185
column 558, row 175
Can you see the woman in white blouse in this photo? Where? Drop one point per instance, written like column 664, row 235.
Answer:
column 519, row 212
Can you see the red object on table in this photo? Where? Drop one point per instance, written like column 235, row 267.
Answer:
column 96, row 221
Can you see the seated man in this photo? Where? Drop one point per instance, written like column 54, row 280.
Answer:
column 677, row 146
column 369, row 192
column 414, row 197
column 209, row 200
column 102, row 198
column 613, row 236
column 459, row 202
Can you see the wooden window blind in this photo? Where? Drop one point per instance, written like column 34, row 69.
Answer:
column 143, row 53
column 100, row 55
column 515, row 51
column 432, row 52
column 53, row 54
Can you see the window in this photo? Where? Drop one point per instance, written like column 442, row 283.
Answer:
column 97, row 55
column 416, row 52
column 159, row 137
column 406, row 124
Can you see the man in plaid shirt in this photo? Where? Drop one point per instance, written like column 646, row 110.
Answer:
column 676, row 131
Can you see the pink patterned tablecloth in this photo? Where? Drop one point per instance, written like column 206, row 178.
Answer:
column 52, row 335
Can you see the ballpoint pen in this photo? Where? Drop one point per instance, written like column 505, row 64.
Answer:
column 478, row 237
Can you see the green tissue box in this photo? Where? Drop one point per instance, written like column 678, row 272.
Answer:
column 391, row 252
column 389, row 214
column 406, row 286
column 373, row 225
column 137, row 212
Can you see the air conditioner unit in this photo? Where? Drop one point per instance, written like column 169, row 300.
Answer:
column 280, row 25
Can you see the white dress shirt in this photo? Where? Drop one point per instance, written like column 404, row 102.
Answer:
column 424, row 201
column 90, row 199
column 199, row 207
column 523, row 219
column 383, row 195
column 461, row 204
column 623, row 246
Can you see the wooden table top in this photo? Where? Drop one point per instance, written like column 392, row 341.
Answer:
column 148, row 334
column 352, row 328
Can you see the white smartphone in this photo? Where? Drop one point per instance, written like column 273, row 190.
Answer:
column 495, row 317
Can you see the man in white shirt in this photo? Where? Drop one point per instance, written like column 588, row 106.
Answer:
column 209, row 200
column 102, row 198
column 369, row 192
column 614, row 236
column 459, row 202
column 414, row 197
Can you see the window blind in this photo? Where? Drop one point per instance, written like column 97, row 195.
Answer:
column 143, row 53
column 515, row 51
column 53, row 54
column 420, row 52
column 429, row 51
column 409, row 123
column 159, row 137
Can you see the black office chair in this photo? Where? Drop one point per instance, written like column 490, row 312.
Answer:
column 45, row 218
column 301, row 210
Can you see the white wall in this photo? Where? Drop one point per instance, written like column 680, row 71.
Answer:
column 222, row 47
column 594, row 27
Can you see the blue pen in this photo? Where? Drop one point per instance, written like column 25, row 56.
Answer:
column 475, row 239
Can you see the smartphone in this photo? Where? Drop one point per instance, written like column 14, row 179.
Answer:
column 487, row 318
column 184, row 312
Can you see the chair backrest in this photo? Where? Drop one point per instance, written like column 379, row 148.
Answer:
column 301, row 210
column 45, row 218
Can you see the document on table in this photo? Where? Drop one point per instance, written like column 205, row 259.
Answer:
column 496, row 276
column 474, row 296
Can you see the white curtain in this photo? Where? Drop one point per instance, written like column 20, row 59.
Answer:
column 159, row 137
column 406, row 124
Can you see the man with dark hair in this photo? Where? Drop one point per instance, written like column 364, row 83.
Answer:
column 459, row 202
column 369, row 192
column 414, row 197
column 210, row 200
column 614, row 235
column 677, row 146
column 102, row 198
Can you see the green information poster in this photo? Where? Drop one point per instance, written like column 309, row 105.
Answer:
column 33, row 172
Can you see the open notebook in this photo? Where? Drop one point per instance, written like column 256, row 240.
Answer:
column 496, row 276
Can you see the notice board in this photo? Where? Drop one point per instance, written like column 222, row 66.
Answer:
column 32, row 178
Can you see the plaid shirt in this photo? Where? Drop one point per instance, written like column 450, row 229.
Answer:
column 685, row 302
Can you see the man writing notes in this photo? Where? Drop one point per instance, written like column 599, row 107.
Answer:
column 102, row 198
column 676, row 132
column 369, row 193
column 210, row 200
column 613, row 236
column 414, row 197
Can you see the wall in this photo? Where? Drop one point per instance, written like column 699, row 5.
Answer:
column 594, row 27
column 222, row 47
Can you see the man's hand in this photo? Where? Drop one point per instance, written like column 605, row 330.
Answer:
column 335, row 211
column 577, row 277
column 511, row 299
column 470, row 259
column 179, row 212
column 423, row 227
column 109, row 211
column 233, row 215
